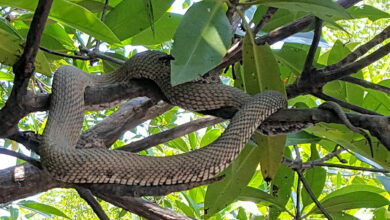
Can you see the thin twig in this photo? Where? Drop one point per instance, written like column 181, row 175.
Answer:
column 344, row 104
column 311, row 194
column 171, row 134
column 31, row 160
column 77, row 57
column 88, row 197
column 366, row 84
column 351, row 167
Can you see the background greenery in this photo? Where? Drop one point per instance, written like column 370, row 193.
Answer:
column 76, row 23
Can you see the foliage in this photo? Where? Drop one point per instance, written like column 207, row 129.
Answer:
column 132, row 26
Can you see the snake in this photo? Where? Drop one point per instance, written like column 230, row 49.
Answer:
column 66, row 163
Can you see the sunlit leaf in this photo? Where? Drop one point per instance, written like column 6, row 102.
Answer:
column 43, row 209
column 81, row 18
column 206, row 26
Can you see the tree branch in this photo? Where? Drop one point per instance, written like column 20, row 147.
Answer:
column 313, row 48
column 37, row 181
column 366, row 84
column 171, row 134
column 88, row 197
column 360, row 51
column 14, row 108
column 31, row 160
column 345, row 104
column 327, row 76
column 312, row 196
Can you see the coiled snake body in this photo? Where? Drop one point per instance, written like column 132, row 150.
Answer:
column 66, row 163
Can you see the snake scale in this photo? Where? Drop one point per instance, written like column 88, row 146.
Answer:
column 66, row 163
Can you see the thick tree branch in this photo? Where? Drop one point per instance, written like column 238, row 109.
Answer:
column 13, row 110
column 37, row 181
column 313, row 48
column 171, row 134
column 129, row 115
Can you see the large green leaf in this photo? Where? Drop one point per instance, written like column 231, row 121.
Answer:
column 130, row 17
column 258, row 196
column 262, row 73
column 339, row 89
column 367, row 11
column 71, row 14
column 385, row 180
column 318, row 8
column 281, row 186
column 280, row 18
column 46, row 210
column 164, row 29
column 200, row 41
column 237, row 176
column 378, row 101
column 210, row 136
column 352, row 200
column 355, row 142
column 11, row 48
column 301, row 137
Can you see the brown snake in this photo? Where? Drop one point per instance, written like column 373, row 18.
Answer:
column 66, row 163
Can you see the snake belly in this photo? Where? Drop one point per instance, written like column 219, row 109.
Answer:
column 66, row 163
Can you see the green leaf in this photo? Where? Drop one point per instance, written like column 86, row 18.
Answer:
column 14, row 213
column 210, row 136
column 237, row 176
column 315, row 177
column 367, row 11
column 184, row 208
column 378, row 101
column 385, row 180
column 43, row 209
column 200, row 41
column 241, row 214
column 280, row 18
column 179, row 144
column 353, row 188
column 192, row 138
column 343, row 216
column 6, row 76
column 317, row 8
column 165, row 27
column 301, row 137
column 258, row 196
column 339, row 89
column 291, row 56
column 262, row 73
column 353, row 200
column 341, row 135
column 10, row 47
column 281, row 186
column 81, row 18
column 130, row 17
